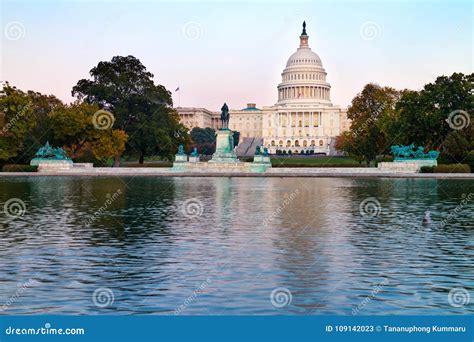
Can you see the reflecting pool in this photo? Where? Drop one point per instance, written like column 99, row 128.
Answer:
column 235, row 246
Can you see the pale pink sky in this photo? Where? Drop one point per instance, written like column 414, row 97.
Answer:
column 235, row 52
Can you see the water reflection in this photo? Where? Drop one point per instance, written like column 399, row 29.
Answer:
column 243, row 238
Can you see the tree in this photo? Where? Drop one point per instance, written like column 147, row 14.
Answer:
column 142, row 109
column 16, row 121
column 203, row 135
column 236, row 136
column 43, row 130
column 371, row 112
column 459, row 143
column 423, row 117
column 204, row 139
column 76, row 129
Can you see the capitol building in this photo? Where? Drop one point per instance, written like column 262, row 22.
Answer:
column 303, row 118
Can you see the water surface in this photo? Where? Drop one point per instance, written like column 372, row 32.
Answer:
column 200, row 246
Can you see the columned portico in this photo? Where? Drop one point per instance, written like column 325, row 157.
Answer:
column 302, row 119
column 304, row 115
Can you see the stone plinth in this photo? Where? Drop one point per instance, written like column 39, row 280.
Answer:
column 194, row 159
column 406, row 165
column 224, row 148
column 45, row 165
column 180, row 162
column 83, row 165
column 260, row 163
column 218, row 167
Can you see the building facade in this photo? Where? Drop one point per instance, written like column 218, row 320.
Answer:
column 303, row 119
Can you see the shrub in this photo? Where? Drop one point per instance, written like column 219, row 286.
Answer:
column 452, row 168
column 283, row 164
column 469, row 160
column 19, row 168
column 427, row 169
column 152, row 164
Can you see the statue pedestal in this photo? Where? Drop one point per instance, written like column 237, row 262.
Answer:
column 180, row 162
column 194, row 159
column 260, row 163
column 224, row 148
column 51, row 165
column 409, row 165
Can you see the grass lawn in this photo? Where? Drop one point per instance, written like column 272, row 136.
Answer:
column 315, row 162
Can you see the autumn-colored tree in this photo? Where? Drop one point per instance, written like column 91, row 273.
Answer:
column 77, row 129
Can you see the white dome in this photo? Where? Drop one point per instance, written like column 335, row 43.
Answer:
column 304, row 56
column 304, row 79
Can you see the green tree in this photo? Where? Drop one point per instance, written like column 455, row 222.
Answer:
column 203, row 135
column 459, row 143
column 370, row 113
column 423, row 117
column 142, row 109
column 204, row 139
column 16, row 121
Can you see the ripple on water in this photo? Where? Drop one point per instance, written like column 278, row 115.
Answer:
column 249, row 236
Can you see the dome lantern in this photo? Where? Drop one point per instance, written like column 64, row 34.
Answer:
column 304, row 37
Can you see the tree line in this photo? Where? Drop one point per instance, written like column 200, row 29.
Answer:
column 438, row 117
column 119, row 111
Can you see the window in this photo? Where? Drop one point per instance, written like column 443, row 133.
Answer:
column 288, row 143
column 321, row 143
column 297, row 143
column 313, row 143
column 280, row 143
column 273, row 142
column 305, row 143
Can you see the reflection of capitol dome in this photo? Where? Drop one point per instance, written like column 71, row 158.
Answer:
column 304, row 78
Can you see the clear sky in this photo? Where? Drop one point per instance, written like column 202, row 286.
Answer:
column 235, row 51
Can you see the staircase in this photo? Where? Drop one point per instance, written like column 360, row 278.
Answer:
column 247, row 147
